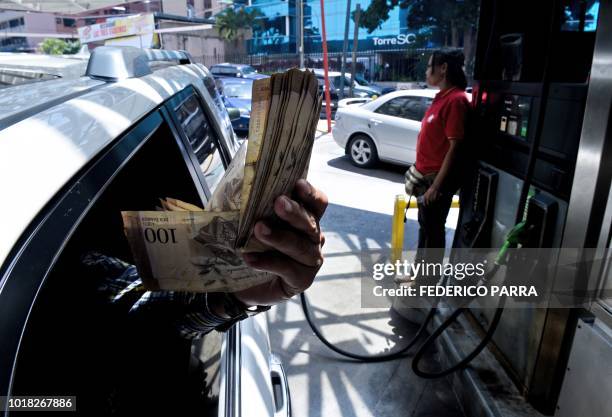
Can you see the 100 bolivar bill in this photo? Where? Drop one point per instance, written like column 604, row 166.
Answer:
column 189, row 251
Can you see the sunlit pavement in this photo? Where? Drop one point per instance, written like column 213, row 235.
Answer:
column 321, row 382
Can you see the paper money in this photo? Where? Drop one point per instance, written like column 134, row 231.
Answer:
column 184, row 248
column 284, row 151
column 188, row 251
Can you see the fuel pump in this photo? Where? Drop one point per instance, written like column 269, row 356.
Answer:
column 529, row 107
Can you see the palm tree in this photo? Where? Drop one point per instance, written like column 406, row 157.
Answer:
column 231, row 23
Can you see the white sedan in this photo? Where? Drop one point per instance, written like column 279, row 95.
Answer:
column 384, row 129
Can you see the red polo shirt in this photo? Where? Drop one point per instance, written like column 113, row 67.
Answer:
column 443, row 121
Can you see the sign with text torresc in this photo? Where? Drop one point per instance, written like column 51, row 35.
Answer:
column 399, row 40
column 118, row 28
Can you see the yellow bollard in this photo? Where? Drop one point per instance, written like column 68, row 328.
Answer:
column 397, row 226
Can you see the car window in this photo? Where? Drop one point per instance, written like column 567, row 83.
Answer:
column 202, row 139
column 337, row 79
column 411, row 108
column 225, row 71
column 415, row 108
column 248, row 70
column 236, row 90
column 394, row 107
column 82, row 337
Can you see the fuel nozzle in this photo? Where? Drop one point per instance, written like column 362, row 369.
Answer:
column 516, row 236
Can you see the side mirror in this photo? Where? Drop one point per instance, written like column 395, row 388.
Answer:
column 234, row 113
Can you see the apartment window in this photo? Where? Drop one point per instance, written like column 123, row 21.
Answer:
column 208, row 4
column 16, row 22
column 69, row 23
column 207, row 15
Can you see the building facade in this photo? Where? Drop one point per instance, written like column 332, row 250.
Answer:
column 22, row 22
column 280, row 28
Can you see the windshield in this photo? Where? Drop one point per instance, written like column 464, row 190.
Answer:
column 337, row 79
column 237, row 90
column 361, row 81
column 248, row 70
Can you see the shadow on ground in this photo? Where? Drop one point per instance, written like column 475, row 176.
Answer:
column 382, row 170
column 325, row 384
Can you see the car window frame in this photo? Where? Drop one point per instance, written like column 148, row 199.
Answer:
column 423, row 101
column 49, row 232
column 47, row 235
column 170, row 108
column 378, row 109
column 406, row 99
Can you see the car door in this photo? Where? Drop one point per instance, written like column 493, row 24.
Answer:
column 251, row 382
column 60, row 333
column 396, row 125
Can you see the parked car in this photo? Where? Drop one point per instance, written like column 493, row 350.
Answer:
column 237, row 93
column 73, row 155
column 354, row 101
column 235, row 70
column 380, row 88
column 361, row 88
column 384, row 129
column 333, row 98
column 335, row 79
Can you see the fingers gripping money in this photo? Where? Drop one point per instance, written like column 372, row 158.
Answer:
column 259, row 234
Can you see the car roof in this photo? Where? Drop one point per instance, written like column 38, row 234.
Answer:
column 227, row 64
column 424, row 92
column 62, row 65
column 42, row 152
column 235, row 80
column 421, row 92
column 17, row 101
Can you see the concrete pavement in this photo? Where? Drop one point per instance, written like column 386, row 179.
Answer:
column 321, row 382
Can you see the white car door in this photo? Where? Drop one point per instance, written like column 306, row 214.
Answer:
column 396, row 125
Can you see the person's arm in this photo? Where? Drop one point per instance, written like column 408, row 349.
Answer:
column 295, row 259
column 452, row 156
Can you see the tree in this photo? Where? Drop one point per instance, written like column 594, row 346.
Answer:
column 53, row 46
column 231, row 23
column 455, row 20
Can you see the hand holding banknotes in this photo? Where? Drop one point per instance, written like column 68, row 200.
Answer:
column 295, row 256
column 258, row 236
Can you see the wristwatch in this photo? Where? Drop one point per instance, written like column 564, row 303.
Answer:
column 237, row 311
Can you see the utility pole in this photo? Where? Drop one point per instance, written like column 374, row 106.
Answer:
column 355, row 45
column 300, row 12
column 325, row 69
column 344, row 50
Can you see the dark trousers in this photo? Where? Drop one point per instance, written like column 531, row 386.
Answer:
column 432, row 231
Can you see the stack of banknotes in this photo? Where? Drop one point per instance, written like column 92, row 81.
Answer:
column 182, row 247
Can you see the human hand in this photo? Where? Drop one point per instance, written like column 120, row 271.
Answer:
column 296, row 256
column 431, row 195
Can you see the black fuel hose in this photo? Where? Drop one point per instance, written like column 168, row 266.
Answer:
column 403, row 352
column 419, row 355
column 366, row 358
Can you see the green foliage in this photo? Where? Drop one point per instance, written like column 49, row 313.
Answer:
column 231, row 22
column 53, row 46
column 72, row 47
column 444, row 14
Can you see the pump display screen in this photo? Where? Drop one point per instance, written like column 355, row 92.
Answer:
column 515, row 116
column 579, row 15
